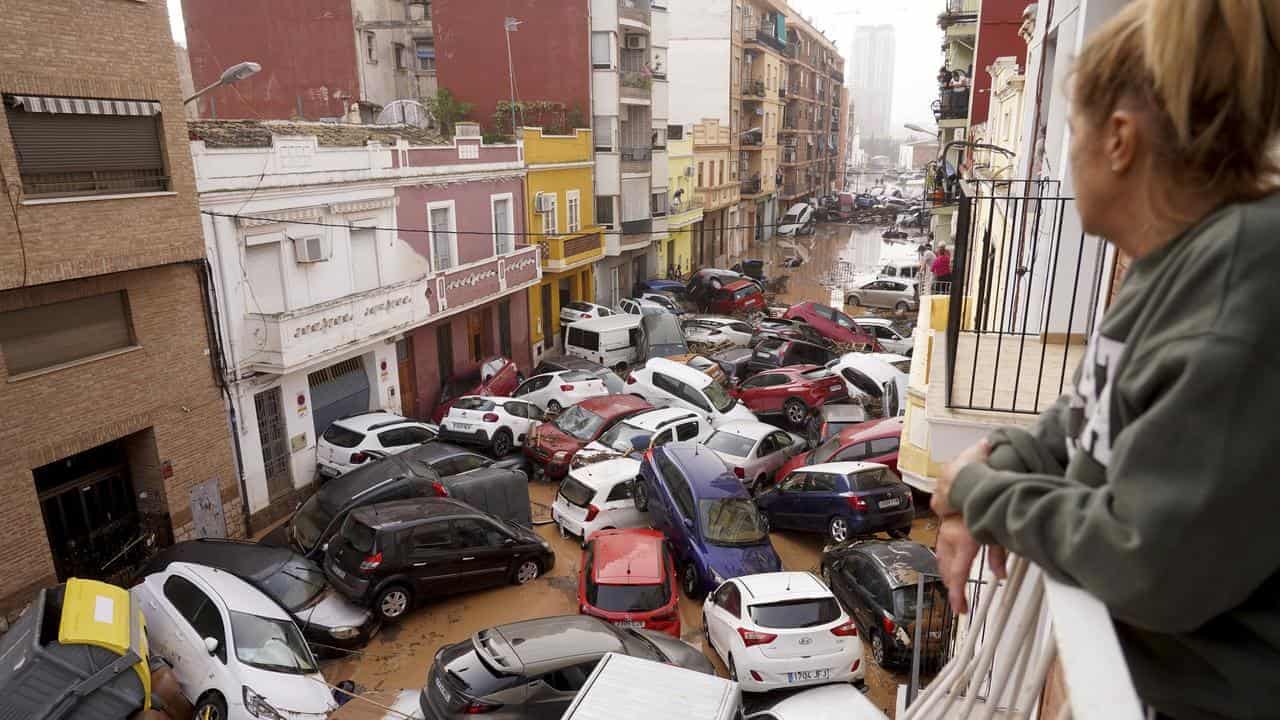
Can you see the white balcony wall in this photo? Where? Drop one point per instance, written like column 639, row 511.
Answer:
column 661, row 168
column 608, row 173
column 659, row 98
column 604, row 15
column 659, row 26
column 604, row 92
column 699, row 62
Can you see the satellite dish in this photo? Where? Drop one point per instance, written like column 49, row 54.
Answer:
column 406, row 112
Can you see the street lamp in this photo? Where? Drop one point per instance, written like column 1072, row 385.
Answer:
column 510, row 25
column 916, row 128
column 233, row 74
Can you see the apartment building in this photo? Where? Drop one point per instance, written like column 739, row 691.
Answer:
column 354, row 269
column 812, row 159
column 685, row 220
column 717, row 189
column 113, row 436
column 321, row 59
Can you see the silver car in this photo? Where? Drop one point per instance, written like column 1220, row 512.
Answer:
column 536, row 667
column 900, row 295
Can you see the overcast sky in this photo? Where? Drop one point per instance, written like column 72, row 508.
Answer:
column 918, row 41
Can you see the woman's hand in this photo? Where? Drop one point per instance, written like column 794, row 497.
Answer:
column 956, row 550
column 941, row 502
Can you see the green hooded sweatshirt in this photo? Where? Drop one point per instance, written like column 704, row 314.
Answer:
column 1153, row 484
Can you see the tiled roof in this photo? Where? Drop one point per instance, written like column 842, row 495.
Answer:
column 257, row 133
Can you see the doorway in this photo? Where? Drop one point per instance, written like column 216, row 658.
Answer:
column 339, row 390
column 272, row 437
column 548, row 327
column 408, row 377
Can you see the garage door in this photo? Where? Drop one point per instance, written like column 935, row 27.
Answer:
column 337, row 391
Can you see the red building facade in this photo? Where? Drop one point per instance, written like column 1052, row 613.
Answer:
column 998, row 24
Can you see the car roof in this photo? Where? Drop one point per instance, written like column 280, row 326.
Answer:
column 875, row 321
column 572, row 362
column 653, row 419
column 721, row 319
column 435, row 450
column 903, row 561
column 627, row 557
column 872, row 430
column 339, row 491
column 394, row 513
column 843, row 411
column 752, row 429
column 709, row 478
column 236, row 593
column 619, row 321
column 606, row 473
column 680, row 371
column 797, row 208
column 875, row 368
column 245, row 559
column 534, row 646
column 364, row 422
column 787, row 585
column 608, row 406
column 843, row 468
column 793, row 369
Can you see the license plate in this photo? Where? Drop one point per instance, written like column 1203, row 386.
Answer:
column 808, row 675
column 629, row 624
column 891, row 502
column 328, row 471
column 444, row 692
column 836, row 387
column 460, row 427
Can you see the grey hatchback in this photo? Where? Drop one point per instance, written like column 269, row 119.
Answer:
column 534, row 668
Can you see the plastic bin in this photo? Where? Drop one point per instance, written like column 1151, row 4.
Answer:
column 79, row 652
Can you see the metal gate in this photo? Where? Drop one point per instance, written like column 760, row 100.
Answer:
column 93, row 523
column 275, row 445
column 337, row 391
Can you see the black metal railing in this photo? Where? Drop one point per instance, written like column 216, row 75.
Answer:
column 764, row 34
column 935, row 634
column 952, row 104
column 1024, row 296
column 637, row 153
column 636, row 227
column 751, row 186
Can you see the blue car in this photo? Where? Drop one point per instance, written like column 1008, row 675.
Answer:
column 675, row 288
column 714, row 528
column 841, row 499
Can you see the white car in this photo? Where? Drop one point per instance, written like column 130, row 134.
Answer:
column 798, row 221
column 235, row 652
column 825, row 702
column 556, row 391
column 643, row 306
column 754, row 450
column 645, row 430
column 882, row 377
column 900, row 295
column 578, row 310
column 501, row 423
column 665, row 301
column 782, row 629
column 890, row 339
column 667, row 383
column 347, row 441
column 598, row 497
column 714, row 329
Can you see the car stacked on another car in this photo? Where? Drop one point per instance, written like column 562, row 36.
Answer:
column 829, row 420
column 572, row 312
column 354, row 440
column 555, row 391
column 499, row 423
column 880, row 379
column 787, row 330
column 841, row 499
column 715, row 530
column 629, row 579
column 740, row 297
column 495, row 376
column 645, row 430
column 754, row 450
column 874, row 441
column 716, row 329
column 832, row 324
column 775, row 352
column 792, row 392
column 392, row 555
column 669, row 384
column 552, row 446
column 888, row 336
column 782, row 629
column 570, row 362
column 598, row 497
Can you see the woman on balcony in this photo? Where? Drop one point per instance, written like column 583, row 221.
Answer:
column 1153, row 483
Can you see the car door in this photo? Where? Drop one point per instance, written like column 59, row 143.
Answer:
column 434, row 565
column 884, row 451
column 857, row 572
column 677, row 507
column 668, row 390
column 524, row 417
column 723, row 614
column 773, row 452
column 787, row 499
column 816, row 504
column 691, row 431
column 484, row 553
column 399, row 439
column 533, row 390
column 549, row 695
column 620, row 508
column 191, row 617
column 772, row 393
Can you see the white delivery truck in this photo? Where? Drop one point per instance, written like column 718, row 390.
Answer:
column 627, row 688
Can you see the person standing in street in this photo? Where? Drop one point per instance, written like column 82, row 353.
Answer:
column 1151, row 482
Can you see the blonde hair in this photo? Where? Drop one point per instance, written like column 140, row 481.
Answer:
column 1207, row 72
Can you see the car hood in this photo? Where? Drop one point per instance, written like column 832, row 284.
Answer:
column 552, row 439
column 731, row 562
column 333, row 611
column 678, row 652
column 303, row 696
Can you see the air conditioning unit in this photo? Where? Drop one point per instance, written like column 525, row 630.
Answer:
column 542, row 203
column 312, row 249
column 635, row 42
column 688, row 171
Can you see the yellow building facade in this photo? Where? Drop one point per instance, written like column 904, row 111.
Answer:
column 676, row 253
column 560, row 201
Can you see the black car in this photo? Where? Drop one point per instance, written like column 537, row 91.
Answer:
column 788, row 330
column 449, row 459
column 774, row 353
column 734, row 363
column 330, row 623
column 392, row 555
column 571, row 362
column 876, row 582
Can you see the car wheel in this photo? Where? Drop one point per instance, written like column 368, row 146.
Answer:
column 795, row 411
column 838, row 529
column 501, row 443
column 690, row 582
column 901, row 308
column 640, row 496
column 211, row 707
column 877, row 647
column 393, row 602
column 853, row 300
column 527, row 572
column 900, row 533
column 553, row 407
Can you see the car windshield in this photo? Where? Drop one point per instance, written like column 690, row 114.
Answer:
column 792, row 614
column 730, row 444
column 720, row 398
column 342, row 437
column 579, row 423
column 310, row 521
column 295, row 585
column 628, row 598
column 474, row 403
column 576, row 492
column 663, row 331
column 271, row 644
column 744, row 292
column 823, row 452
column 579, row 306
column 731, row 521
column 624, row 438
column 790, row 218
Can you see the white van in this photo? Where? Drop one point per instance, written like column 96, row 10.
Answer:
column 616, row 341
column 797, row 221
column 627, row 688
column 901, row 269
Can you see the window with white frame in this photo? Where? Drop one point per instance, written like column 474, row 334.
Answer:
column 549, row 225
column 444, row 242
column 364, row 259
column 502, row 223
column 573, row 211
column 601, row 50
column 370, row 47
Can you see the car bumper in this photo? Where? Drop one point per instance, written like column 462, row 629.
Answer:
column 777, row 673
column 354, row 588
column 325, row 645
column 329, row 471
column 475, row 437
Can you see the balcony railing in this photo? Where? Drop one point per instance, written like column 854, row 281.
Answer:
column 1024, row 296
column 750, row 187
column 752, row 140
column 753, row 87
column 635, row 227
column 566, row 251
column 752, row 32
column 637, row 153
column 951, row 105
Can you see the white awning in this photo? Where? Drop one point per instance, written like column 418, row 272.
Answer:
column 84, row 106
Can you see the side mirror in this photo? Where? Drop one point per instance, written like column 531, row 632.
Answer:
column 688, row 523
column 211, row 644
column 507, row 542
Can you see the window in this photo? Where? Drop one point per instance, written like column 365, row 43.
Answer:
column 64, row 150
column 573, row 211
column 549, row 217
column 504, row 330
column 687, row 431
column 426, row 53
column 443, row 241
column 729, row 599
column 856, row 451
column 196, row 608
column 397, row 49
column 721, row 172
column 822, row 482
column 658, row 203
column 370, row 52
column 700, row 182
column 601, row 50
column 621, row 491
column 500, row 205
column 460, row 464
column 471, row 533
column 404, row 436
column 602, row 133
column 364, row 259
column 432, row 537
column 46, row 335
column 604, row 210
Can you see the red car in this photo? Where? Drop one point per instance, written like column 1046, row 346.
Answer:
column 832, row 324
column 792, row 391
column 496, row 376
column 739, row 297
column 629, row 579
column 872, row 441
column 551, row 446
